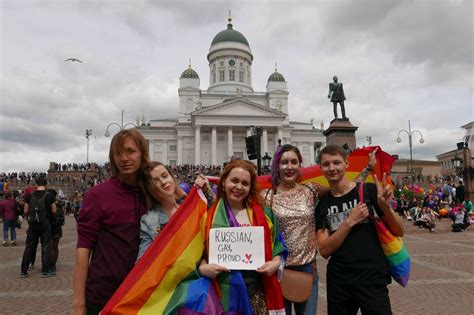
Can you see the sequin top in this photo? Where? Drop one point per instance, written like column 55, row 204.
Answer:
column 294, row 211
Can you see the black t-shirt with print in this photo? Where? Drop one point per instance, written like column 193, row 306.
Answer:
column 360, row 259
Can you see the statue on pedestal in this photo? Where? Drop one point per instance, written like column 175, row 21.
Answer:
column 336, row 94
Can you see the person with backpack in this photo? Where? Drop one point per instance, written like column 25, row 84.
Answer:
column 39, row 209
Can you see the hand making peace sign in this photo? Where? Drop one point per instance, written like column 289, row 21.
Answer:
column 384, row 192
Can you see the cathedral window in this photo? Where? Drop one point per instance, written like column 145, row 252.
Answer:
column 221, row 64
column 241, row 76
column 172, row 148
column 221, row 75
column 213, row 77
column 231, row 75
column 241, row 64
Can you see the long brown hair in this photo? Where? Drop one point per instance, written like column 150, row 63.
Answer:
column 116, row 149
column 254, row 192
column 143, row 174
column 151, row 186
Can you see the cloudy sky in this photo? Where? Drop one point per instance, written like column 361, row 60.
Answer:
column 398, row 60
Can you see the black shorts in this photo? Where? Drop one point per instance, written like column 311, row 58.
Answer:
column 56, row 231
column 346, row 300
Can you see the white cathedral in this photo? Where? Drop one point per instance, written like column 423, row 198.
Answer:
column 212, row 124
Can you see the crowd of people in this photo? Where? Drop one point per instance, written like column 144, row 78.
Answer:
column 425, row 206
column 131, row 203
column 44, row 212
column 21, row 177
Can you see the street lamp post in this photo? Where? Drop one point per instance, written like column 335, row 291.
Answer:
column 121, row 126
column 410, row 144
column 458, row 165
column 88, row 134
column 266, row 163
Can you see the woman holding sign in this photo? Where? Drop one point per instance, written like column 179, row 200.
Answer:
column 293, row 205
column 238, row 204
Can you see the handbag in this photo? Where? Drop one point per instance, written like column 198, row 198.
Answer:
column 296, row 286
column 393, row 248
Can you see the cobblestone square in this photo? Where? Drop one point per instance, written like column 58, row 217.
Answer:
column 442, row 279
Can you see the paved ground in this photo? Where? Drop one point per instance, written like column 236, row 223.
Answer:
column 442, row 279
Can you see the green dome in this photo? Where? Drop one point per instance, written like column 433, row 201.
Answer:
column 276, row 76
column 230, row 35
column 189, row 74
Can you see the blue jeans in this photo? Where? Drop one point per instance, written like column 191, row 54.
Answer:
column 310, row 306
column 9, row 224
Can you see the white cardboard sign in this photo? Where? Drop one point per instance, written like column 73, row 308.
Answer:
column 237, row 248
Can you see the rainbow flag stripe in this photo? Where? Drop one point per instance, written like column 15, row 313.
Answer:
column 396, row 254
column 358, row 159
column 169, row 261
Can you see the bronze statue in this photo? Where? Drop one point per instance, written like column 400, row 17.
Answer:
column 336, row 94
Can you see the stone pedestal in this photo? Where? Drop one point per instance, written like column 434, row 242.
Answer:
column 340, row 132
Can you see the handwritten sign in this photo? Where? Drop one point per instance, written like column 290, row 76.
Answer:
column 238, row 248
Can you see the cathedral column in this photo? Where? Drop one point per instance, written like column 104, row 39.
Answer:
column 230, row 144
column 311, row 153
column 180, row 150
column 151, row 149
column 264, row 142
column 197, row 145
column 214, row 146
column 164, row 158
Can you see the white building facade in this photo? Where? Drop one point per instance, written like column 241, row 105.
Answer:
column 212, row 124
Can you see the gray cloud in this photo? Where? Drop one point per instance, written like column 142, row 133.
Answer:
column 398, row 60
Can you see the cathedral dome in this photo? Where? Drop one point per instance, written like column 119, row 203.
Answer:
column 189, row 74
column 230, row 35
column 276, row 76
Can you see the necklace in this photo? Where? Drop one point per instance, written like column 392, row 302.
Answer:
column 289, row 185
column 345, row 190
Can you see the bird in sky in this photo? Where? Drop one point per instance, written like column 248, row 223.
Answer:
column 73, row 60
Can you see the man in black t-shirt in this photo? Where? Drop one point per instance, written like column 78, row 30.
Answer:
column 357, row 273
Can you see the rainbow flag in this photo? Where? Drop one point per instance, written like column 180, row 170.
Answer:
column 4, row 186
column 358, row 159
column 398, row 261
column 397, row 256
column 165, row 279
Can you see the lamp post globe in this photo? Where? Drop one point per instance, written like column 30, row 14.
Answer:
column 121, row 126
column 410, row 133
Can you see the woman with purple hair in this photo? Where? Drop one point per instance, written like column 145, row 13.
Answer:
column 293, row 204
